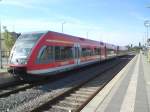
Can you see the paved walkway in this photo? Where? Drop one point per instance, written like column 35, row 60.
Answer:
column 129, row 91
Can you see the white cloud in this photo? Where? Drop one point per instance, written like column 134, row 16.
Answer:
column 30, row 3
column 19, row 3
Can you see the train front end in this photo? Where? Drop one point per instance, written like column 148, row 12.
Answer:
column 21, row 52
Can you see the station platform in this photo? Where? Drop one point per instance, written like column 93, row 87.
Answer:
column 128, row 91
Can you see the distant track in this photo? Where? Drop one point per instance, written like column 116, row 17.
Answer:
column 15, row 85
column 10, row 83
column 9, row 91
column 3, row 73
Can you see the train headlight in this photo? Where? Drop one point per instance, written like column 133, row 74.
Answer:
column 21, row 61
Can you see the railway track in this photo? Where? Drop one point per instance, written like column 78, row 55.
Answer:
column 3, row 73
column 12, row 90
column 10, row 83
column 19, row 85
column 16, row 86
column 75, row 96
column 6, row 81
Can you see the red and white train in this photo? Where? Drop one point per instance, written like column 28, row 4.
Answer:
column 48, row 53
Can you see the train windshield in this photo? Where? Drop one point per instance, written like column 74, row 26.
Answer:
column 23, row 47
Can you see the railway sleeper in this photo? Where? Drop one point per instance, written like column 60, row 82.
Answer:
column 65, row 105
column 89, row 87
column 79, row 96
column 93, row 84
column 86, row 89
column 89, row 90
column 82, row 99
column 84, row 92
column 57, row 108
column 69, row 99
column 75, row 102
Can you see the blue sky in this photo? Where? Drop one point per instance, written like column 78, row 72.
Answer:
column 119, row 22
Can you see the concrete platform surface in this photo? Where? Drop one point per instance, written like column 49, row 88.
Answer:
column 128, row 91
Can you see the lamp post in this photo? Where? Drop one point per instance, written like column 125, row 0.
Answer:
column 147, row 25
column 87, row 35
column 62, row 26
column 1, row 66
column 0, row 48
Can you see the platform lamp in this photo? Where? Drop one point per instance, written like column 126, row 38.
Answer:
column 147, row 25
column 1, row 66
column 87, row 35
column 0, row 48
column 62, row 26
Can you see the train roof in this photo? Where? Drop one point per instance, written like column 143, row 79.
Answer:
column 34, row 32
column 77, row 37
column 80, row 38
column 108, row 45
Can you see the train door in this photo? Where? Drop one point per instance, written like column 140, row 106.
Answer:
column 77, row 53
column 100, row 53
column 117, row 52
column 105, row 51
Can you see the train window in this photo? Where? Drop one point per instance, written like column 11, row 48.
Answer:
column 35, row 36
column 111, row 52
column 86, row 52
column 45, row 55
column 96, row 51
column 57, row 53
column 63, row 53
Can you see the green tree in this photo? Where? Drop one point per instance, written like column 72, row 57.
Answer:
column 9, row 40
